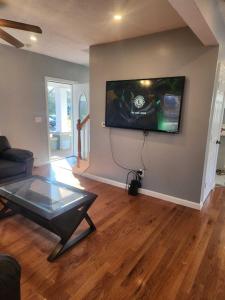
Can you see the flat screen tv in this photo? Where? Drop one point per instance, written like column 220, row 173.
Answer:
column 152, row 104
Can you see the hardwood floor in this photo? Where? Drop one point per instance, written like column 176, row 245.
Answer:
column 143, row 248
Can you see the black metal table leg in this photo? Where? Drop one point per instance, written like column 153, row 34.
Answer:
column 64, row 245
column 89, row 221
column 5, row 212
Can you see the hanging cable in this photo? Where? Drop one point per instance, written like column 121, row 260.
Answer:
column 128, row 174
column 145, row 134
column 112, row 153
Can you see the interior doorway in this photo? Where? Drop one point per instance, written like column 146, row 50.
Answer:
column 220, row 167
column 60, row 119
column 214, row 134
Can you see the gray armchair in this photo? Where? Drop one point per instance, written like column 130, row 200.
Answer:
column 14, row 163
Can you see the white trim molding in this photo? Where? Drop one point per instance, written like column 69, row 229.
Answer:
column 193, row 16
column 208, row 196
column 146, row 192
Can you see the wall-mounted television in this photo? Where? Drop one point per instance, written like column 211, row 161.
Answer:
column 152, row 104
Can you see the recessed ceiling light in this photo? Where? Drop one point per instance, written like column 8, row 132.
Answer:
column 33, row 38
column 117, row 17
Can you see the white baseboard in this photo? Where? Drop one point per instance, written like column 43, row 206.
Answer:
column 160, row 196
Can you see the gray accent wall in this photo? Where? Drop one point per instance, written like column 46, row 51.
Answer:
column 22, row 96
column 174, row 161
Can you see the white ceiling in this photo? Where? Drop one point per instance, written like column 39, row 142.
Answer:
column 70, row 27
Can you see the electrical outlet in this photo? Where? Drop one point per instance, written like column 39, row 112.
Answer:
column 141, row 172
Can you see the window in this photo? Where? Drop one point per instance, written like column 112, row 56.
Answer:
column 83, row 107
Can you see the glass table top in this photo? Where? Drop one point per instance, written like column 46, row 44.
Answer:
column 44, row 194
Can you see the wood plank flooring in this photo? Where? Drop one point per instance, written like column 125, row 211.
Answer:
column 143, row 248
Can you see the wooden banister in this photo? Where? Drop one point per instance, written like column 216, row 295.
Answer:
column 84, row 121
column 80, row 125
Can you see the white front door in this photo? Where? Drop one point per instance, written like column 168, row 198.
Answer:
column 214, row 134
column 60, row 119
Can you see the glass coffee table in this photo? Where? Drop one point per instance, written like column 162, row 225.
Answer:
column 55, row 206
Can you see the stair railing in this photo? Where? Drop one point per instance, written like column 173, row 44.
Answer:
column 80, row 125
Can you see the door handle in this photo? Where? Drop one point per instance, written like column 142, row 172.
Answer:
column 218, row 142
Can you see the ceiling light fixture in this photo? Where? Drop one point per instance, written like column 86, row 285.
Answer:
column 33, row 38
column 146, row 82
column 117, row 17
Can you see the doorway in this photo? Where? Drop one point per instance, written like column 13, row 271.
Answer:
column 60, row 119
column 220, row 167
column 214, row 133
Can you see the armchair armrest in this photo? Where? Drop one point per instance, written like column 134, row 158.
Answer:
column 18, row 155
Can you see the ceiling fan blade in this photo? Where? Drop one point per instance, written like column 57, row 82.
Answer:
column 21, row 26
column 10, row 39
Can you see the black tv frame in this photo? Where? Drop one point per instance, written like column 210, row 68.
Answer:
column 151, row 130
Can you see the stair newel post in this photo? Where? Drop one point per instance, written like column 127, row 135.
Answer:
column 80, row 125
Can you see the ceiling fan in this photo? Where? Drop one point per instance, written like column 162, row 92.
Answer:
column 16, row 25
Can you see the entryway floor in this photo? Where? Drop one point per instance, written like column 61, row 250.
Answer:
column 220, row 180
column 65, row 163
column 60, row 154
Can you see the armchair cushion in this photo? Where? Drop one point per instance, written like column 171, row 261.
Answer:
column 4, row 143
column 17, row 155
column 11, row 168
column 14, row 163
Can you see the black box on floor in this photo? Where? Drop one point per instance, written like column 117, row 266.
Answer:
column 133, row 187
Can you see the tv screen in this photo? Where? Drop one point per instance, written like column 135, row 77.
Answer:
column 146, row 104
